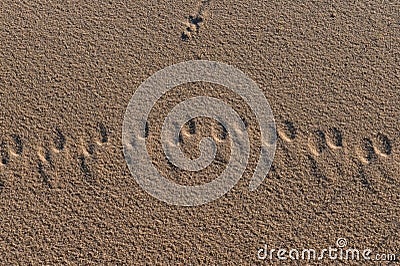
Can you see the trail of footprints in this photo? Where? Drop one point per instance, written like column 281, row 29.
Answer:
column 57, row 147
column 320, row 142
column 324, row 144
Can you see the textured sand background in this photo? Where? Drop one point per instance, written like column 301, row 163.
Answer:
column 329, row 69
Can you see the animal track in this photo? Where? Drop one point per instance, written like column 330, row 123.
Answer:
column 43, row 174
column 315, row 170
column 45, row 165
column 317, row 142
column 194, row 22
column 86, row 155
column 383, row 145
column 84, row 167
column 223, row 133
column 245, row 122
column 288, row 132
column 370, row 150
column 49, row 155
column 361, row 175
column 6, row 151
column 45, row 156
column 273, row 173
column 192, row 127
column 18, row 145
column 334, row 138
column 366, row 151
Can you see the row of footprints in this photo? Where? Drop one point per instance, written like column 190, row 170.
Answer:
column 58, row 147
column 360, row 155
column 319, row 141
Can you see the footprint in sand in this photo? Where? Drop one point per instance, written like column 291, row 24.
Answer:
column 59, row 140
column 11, row 149
column 382, row 145
column 287, row 131
column 317, row 142
column 45, row 166
column 334, row 138
column 50, row 154
column 17, row 146
column 366, row 151
column 89, row 149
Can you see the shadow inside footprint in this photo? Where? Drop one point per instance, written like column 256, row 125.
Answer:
column 383, row 145
column 287, row 131
column 316, row 171
column 85, row 169
column 59, row 140
column 44, row 176
column 335, row 137
column 192, row 126
column 103, row 133
column 146, row 130
column 365, row 182
column 317, row 142
column 367, row 151
column 19, row 148
column 222, row 133
column 290, row 130
column 5, row 155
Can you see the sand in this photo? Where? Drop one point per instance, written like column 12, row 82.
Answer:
column 329, row 70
